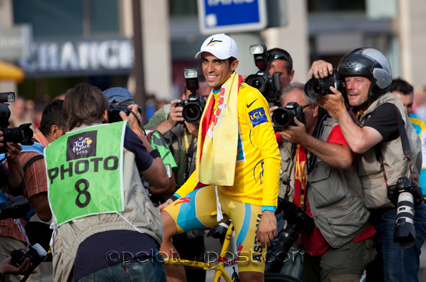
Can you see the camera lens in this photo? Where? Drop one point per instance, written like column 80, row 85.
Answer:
column 191, row 113
column 282, row 117
column 315, row 88
column 257, row 82
column 404, row 232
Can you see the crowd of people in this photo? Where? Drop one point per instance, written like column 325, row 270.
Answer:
column 121, row 193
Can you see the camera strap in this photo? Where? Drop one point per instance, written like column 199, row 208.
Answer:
column 405, row 148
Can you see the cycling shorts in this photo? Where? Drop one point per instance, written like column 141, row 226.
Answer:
column 194, row 211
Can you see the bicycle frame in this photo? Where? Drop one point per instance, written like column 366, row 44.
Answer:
column 218, row 267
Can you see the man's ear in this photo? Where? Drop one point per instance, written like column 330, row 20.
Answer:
column 55, row 131
column 234, row 65
column 105, row 115
column 291, row 75
column 315, row 109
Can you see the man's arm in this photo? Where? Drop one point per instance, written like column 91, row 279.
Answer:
column 336, row 155
column 360, row 140
column 156, row 173
column 263, row 138
column 36, row 189
column 40, row 202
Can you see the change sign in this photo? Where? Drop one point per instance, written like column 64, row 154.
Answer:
column 231, row 15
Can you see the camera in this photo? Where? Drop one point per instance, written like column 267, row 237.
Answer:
column 268, row 85
column 297, row 219
column 22, row 134
column 284, row 116
column 405, row 196
column 36, row 254
column 316, row 88
column 193, row 107
column 15, row 207
column 115, row 109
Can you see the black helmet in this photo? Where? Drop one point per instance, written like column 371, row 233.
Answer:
column 370, row 63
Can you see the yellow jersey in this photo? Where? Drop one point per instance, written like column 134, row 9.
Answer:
column 258, row 160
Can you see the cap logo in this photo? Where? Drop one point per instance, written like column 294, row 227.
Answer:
column 213, row 42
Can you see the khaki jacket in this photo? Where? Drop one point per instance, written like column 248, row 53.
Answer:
column 139, row 211
column 335, row 196
column 396, row 166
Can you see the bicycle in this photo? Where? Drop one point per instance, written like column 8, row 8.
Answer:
column 222, row 262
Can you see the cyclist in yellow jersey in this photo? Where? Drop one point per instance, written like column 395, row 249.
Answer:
column 238, row 166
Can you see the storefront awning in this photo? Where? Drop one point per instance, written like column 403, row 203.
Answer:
column 11, row 72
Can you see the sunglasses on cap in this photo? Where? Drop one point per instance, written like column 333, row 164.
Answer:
column 279, row 56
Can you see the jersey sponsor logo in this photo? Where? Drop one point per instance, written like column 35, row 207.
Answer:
column 213, row 42
column 81, row 145
column 249, row 105
column 258, row 116
column 182, row 200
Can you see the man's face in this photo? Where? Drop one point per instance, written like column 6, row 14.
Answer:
column 203, row 91
column 216, row 71
column 357, row 89
column 297, row 95
column 407, row 100
column 279, row 65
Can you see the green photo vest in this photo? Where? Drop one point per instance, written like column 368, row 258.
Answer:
column 84, row 172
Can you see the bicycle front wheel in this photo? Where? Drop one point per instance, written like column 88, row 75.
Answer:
column 277, row 277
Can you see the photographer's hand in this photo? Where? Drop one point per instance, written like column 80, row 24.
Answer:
column 6, row 267
column 133, row 122
column 295, row 134
column 333, row 103
column 267, row 229
column 175, row 115
column 320, row 69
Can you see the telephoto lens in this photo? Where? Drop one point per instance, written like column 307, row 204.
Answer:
column 404, row 232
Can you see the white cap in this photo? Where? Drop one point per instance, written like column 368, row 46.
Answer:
column 219, row 45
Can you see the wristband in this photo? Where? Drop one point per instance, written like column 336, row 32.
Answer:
column 154, row 154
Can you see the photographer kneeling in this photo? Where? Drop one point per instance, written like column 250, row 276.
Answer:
column 316, row 162
column 388, row 155
column 109, row 230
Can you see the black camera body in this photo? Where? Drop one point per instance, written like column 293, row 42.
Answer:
column 284, row 116
column 36, row 254
column 297, row 219
column 194, row 106
column 405, row 196
column 316, row 88
column 115, row 109
column 268, row 85
column 114, row 112
column 22, row 134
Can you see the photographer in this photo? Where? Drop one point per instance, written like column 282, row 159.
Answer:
column 378, row 138
column 318, row 162
column 180, row 134
column 110, row 231
column 121, row 96
column 281, row 61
